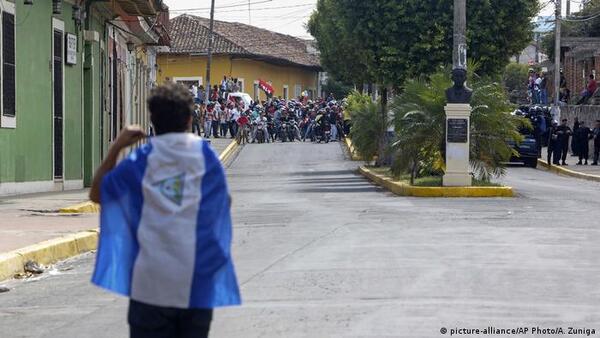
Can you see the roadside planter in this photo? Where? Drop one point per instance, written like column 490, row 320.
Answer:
column 404, row 189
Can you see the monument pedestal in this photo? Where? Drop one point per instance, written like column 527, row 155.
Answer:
column 457, row 145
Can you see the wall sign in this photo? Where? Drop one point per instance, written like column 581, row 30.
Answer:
column 457, row 130
column 71, row 49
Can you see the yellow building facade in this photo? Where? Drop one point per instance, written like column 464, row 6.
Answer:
column 288, row 81
column 243, row 52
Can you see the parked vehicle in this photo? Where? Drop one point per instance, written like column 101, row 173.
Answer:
column 244, row 98
column 527, row 150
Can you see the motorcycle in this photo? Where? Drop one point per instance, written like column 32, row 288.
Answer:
column 260, row 133
column 324, row 134
column 292, row 131
column 271, row 130
column 284, row 131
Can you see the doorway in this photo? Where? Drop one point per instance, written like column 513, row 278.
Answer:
column 58, row 98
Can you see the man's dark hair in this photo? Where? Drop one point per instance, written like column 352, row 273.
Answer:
column 171, row 106
column 591, row 76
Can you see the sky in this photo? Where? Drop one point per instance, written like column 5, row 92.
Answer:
column 283, row 16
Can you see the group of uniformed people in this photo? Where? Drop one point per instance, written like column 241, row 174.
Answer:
column 580, row 135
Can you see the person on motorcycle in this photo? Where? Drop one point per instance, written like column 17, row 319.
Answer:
column 261, row 120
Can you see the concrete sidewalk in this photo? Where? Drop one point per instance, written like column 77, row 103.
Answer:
column 30, row 219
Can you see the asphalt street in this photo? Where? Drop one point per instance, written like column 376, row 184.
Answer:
column 320, row 252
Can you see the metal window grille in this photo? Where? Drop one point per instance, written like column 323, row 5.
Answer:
column 8, row 64
column 58, row 103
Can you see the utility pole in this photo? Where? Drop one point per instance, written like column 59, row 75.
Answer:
column 249, row 14
column 210, row 48
column 556, row 109
column 458, row 109
column 459, row 53
column 568, row 7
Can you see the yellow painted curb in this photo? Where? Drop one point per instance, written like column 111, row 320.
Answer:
column 229, row 151
column 47, row 252
column 85, row 207
column 566, row 172
column 351, row 150
column 404, row 189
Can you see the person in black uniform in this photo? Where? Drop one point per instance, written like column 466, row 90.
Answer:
column 574, row 142
column 596, row 137
column 563, row 132
column 583, row 136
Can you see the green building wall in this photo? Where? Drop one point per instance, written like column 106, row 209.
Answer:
column 26, row 152
column 93, row 121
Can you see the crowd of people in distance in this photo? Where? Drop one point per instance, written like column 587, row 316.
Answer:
column 274, row 119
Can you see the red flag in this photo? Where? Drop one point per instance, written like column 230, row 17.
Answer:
column 266, row 87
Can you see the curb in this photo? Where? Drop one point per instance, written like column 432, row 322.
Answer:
column 229, row 151
column 47, row 252
column 85, row 207
column 351, row 151
column 403, row 189
column 566, row 172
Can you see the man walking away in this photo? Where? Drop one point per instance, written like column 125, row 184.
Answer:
column 596, row 137
column 563, row 132
column 165, row 238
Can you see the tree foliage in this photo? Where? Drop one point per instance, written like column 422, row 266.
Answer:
column 587, row 28
column 366, row 137
column 515, row 81
column 419, row 120
column 389, row 41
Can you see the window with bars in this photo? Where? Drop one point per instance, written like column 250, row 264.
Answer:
column 8, row 65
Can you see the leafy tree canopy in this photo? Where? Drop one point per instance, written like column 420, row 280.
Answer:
column 388, row 41
column 579, row 27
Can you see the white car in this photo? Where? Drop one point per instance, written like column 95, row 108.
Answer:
column 237, row 97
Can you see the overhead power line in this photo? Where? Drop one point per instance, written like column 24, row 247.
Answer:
column 239, row 4
column 245, row 9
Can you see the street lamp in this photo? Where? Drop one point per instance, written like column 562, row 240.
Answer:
column 130, row 46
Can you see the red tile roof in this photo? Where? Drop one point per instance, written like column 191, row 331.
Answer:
column 189, row 35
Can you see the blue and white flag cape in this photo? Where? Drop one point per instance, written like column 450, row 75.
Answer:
column 165, row 227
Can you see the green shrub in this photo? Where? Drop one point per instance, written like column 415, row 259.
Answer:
column 366, row 124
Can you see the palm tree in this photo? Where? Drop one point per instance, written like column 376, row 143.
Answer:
column 419, row 120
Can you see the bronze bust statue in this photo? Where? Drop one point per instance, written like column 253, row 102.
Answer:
column 459, row 93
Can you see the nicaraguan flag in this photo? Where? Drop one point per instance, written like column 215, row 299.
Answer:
column 165, row 226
